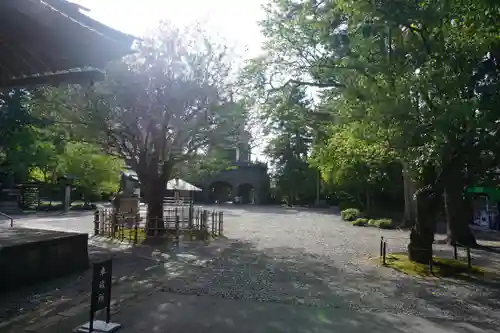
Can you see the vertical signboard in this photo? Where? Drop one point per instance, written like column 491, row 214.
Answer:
column 100, row 298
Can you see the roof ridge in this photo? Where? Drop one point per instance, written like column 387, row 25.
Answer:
column 76, row 21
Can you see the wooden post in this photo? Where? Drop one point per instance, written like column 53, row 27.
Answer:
column 221, row 222
column 113, row 225
column 121, row 229
column 213, row 223
column 190, row 218
column 204, row 224
column 455, row 251
column 384, row 252
column 136, row 227
column 102, row 219
column 131, row 229
column 96, row 222
column 202, row 219
column 381, row 246
column 177, row 230
column 469, row 260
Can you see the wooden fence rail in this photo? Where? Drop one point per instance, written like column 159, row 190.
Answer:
column 194, row 222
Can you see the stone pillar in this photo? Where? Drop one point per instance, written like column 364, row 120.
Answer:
column 128, row 209
column 67, row 197
column 128, row 205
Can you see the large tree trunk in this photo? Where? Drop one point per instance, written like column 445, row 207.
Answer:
column 427, row 204
column 409, row 191
column 155, row 191
column 458, row 211
column 422, row 232
column 154, row 197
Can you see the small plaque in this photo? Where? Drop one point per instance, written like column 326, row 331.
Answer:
column 101, row 286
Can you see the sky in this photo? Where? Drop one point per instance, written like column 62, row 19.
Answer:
column 233, row 21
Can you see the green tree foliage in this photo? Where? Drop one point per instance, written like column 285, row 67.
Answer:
column 36, row 146
column 18, row 141
column 93, row 171
column 285, row 119
column 361, row 168
column 203, row 166
column 161, row 106
column 421, row 74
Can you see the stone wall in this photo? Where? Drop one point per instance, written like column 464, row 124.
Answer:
column 254, row 174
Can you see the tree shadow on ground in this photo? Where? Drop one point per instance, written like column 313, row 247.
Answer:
column 310, row 293
column 230, row 285
column 128, row 263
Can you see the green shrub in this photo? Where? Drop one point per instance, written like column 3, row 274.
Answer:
column 350, row 214
column 47, row 207
column 384, row 224
column 381, row 223
column 360, row 222
column 83, row 207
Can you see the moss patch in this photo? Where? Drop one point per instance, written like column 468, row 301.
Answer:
column 442, row 267
column 128, row 234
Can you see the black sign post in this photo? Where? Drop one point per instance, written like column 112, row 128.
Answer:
column 100, row 298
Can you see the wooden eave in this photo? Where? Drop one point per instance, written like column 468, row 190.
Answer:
column 52, row 42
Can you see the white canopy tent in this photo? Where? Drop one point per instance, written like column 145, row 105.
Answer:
column 181, row 185
column 183, row 192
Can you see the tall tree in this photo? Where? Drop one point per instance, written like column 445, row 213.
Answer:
column 285, row 118
column 411, row 70
column 162, row 105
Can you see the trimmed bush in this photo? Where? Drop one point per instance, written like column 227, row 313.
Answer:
column 350, row 214
column 50, row 208
column 381, row 223
column 360, row 222
column 83, row 207
column 384, row 223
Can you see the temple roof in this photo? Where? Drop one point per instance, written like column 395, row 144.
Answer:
column 52, row 42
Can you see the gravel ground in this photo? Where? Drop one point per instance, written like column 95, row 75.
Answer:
column 312, row 258
column 130, row 264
